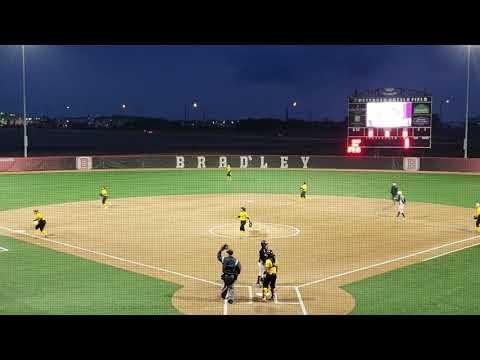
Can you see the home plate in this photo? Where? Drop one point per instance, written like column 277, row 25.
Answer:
column 19, row 231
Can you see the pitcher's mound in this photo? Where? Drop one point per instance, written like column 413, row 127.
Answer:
column 259, row 230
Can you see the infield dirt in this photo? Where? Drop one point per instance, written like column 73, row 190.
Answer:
column 176, row 238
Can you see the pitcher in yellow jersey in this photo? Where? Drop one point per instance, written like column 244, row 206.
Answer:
column 303, row 190
column 40, row 223
column 243, row 220
column 477, row 216
column 270, row 278
column 104, row 196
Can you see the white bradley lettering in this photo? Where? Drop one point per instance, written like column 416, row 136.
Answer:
column 263, row 164
column 305, row 160
column 222, row 161
column 180, row 162
column 201, row 161
column 243, row 161
column 283, row 162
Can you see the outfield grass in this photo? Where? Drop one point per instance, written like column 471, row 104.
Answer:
column 36, row 280
column 446, row 285
column 23, row 190
column 33, row 283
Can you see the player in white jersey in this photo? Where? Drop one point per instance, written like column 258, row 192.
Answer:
column 401, row 201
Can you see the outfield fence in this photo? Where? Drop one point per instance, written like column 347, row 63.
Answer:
column 198, row 161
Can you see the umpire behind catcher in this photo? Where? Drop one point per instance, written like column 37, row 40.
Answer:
column 231, row 268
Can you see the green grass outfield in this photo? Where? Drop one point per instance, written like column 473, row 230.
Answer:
column 35, row 280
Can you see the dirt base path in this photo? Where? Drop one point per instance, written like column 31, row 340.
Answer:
column 321, row 243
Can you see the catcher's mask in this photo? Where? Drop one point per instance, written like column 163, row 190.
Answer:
column 242, row 208
column 264, row 243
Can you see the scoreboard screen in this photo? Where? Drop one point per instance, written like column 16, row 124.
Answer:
column 389, row 122
column 389, row 114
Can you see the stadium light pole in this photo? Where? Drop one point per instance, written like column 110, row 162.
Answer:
column 465, row 141
column 194, row 105
column 446, row 101
column 25, row 139
column 294, row 104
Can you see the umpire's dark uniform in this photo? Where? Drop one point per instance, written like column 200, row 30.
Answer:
column 394, row 191
column 231, row 268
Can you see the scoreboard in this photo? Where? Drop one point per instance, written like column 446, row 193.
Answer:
column 389, row 121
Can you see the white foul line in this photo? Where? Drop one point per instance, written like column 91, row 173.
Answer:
column 250, row 295
column 449, row 252
column 3, row 249
column 302, row 305
column 225, row 307
column 387, row 262
column 114, row 257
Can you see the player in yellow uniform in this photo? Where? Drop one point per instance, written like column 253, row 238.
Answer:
column 243, row 220
column 303, row 190
column 104, row 196
column 40, row 223
column 229, row 172
column 477, row 216
column 270, row 276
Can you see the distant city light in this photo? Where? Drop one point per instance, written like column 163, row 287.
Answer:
column 294, row 104
column 195, row 105
column 124, row 106
column 68, row 107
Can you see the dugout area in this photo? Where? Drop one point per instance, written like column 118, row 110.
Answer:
column 322, row 244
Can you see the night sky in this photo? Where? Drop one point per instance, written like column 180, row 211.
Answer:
column 229, row 81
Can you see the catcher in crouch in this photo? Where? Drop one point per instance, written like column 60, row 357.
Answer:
column 243, row 221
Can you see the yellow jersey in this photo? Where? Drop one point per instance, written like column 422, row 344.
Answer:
column 270, row 267
column 243, row 216
column 104, row 192
column 477, row 211
column 303, row 188
column 229, row 168
column 39, row 216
